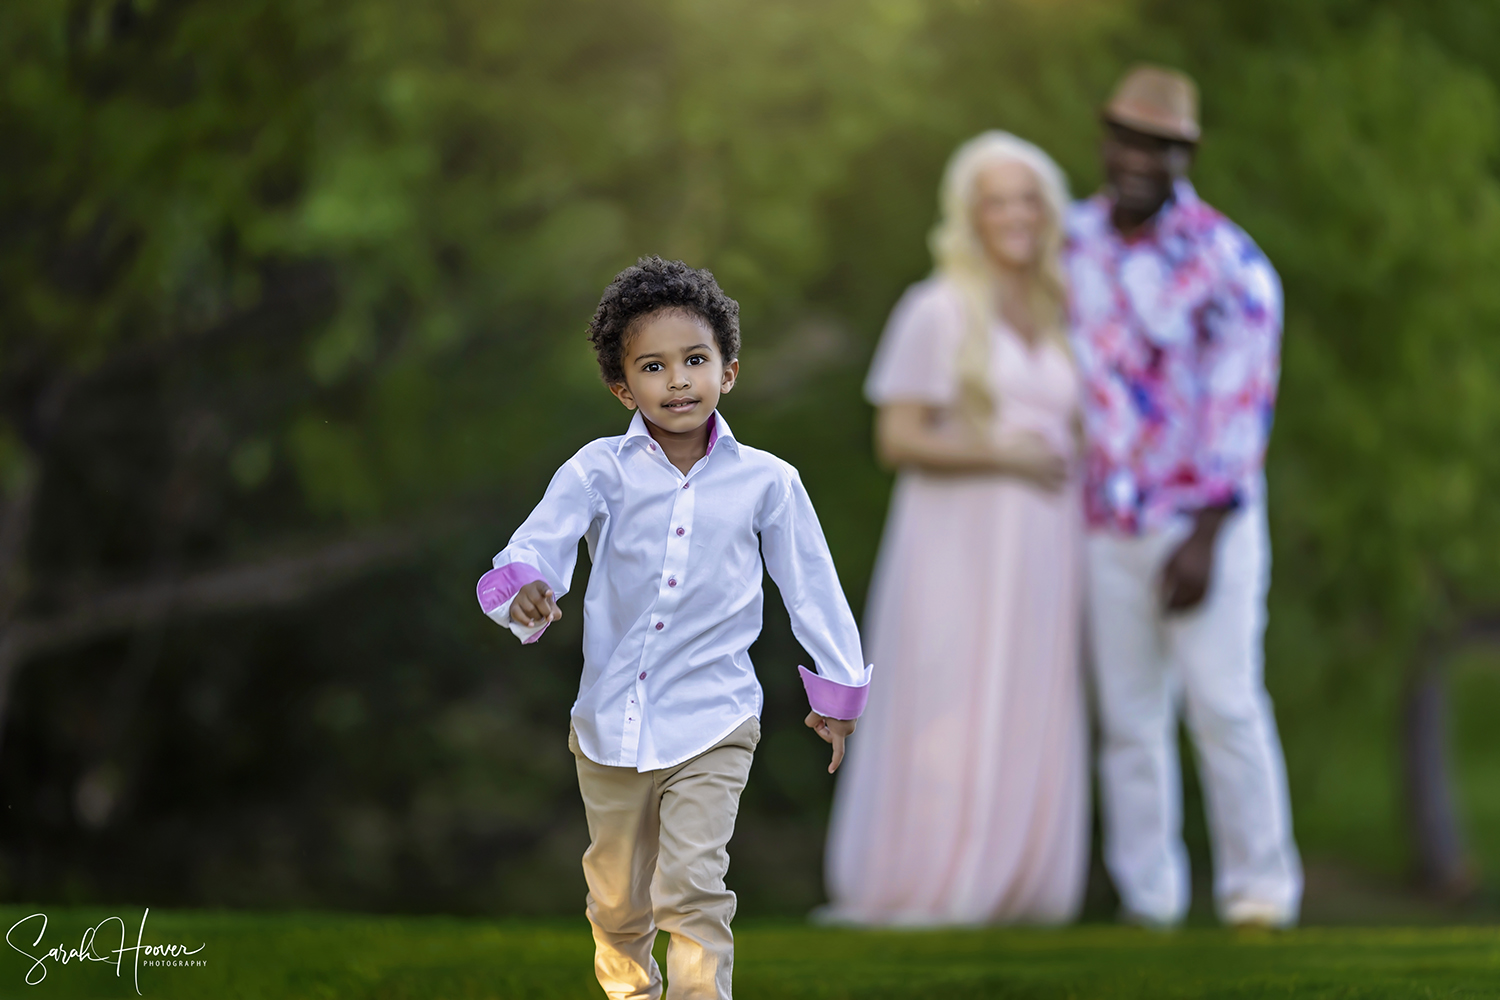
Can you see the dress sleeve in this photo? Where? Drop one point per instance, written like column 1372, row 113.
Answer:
column 798, row 559
column 1239, row 366
column 544, row 547
column 915, row 360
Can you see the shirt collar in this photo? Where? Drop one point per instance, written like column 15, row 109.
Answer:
column 1182, row 200
column 1179, row 207
column 718, row 432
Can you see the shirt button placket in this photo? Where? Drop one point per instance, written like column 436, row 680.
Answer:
column 630, row 739
column 676, row 556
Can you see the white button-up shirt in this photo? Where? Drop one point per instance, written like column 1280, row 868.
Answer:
column 674, row 597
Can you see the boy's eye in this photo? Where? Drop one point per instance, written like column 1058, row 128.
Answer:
column 697, row 359
column 652, row 366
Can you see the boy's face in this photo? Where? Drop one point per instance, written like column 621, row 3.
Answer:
column 673, row 370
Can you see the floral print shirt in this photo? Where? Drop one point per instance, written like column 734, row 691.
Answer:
column 1177, row 334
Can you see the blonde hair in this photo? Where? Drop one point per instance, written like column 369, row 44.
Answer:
column 958, row 255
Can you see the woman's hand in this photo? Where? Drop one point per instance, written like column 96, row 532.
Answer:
column 1030, row 456
column 834, row 731
column 534, row 604
column 914, row 434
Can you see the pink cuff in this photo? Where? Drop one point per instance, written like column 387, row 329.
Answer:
column 832, row 699
column 499, row 585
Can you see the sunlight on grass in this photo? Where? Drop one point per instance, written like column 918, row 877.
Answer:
column 267, row 955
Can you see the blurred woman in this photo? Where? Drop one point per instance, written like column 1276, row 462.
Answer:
column 966, row 793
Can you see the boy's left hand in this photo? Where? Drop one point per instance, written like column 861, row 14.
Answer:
column 834, row 731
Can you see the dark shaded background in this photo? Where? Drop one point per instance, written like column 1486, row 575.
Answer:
column 292, row 298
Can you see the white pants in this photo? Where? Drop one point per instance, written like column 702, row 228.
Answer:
column 1146, row 663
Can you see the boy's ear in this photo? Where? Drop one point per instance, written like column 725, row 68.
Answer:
column 731, row 373
column 622, row 393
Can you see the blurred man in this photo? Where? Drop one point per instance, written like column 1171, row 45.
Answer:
column 1177, row 324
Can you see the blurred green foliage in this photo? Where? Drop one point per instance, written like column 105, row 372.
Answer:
column 349, row 250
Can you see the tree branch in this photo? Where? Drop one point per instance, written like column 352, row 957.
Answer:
column 260, row 584
column 268, row 583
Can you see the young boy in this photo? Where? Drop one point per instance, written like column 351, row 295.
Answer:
column 677, row 514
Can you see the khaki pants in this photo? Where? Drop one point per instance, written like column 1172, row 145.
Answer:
column 656, row 859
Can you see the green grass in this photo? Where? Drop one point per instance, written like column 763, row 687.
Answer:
column 267, row 955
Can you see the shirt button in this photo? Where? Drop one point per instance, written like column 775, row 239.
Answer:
column 686, row 485
column 681, row 531
column 659, row 627
column 643, row 675
column 672, row 582
column 653, row 447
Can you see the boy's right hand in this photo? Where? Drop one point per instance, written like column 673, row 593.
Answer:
column 534, row 604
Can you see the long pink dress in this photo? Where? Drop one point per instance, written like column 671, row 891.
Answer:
column 965, row 796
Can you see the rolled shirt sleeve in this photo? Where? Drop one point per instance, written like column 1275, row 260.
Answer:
column 1239, row 366
column 797, row 557
column 544, row 548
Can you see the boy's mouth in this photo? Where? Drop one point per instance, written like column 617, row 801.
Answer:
column 681, row 404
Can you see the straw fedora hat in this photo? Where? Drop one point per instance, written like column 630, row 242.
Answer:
column 1157, row 101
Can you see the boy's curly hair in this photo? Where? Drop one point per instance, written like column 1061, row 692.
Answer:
column 650, row 285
